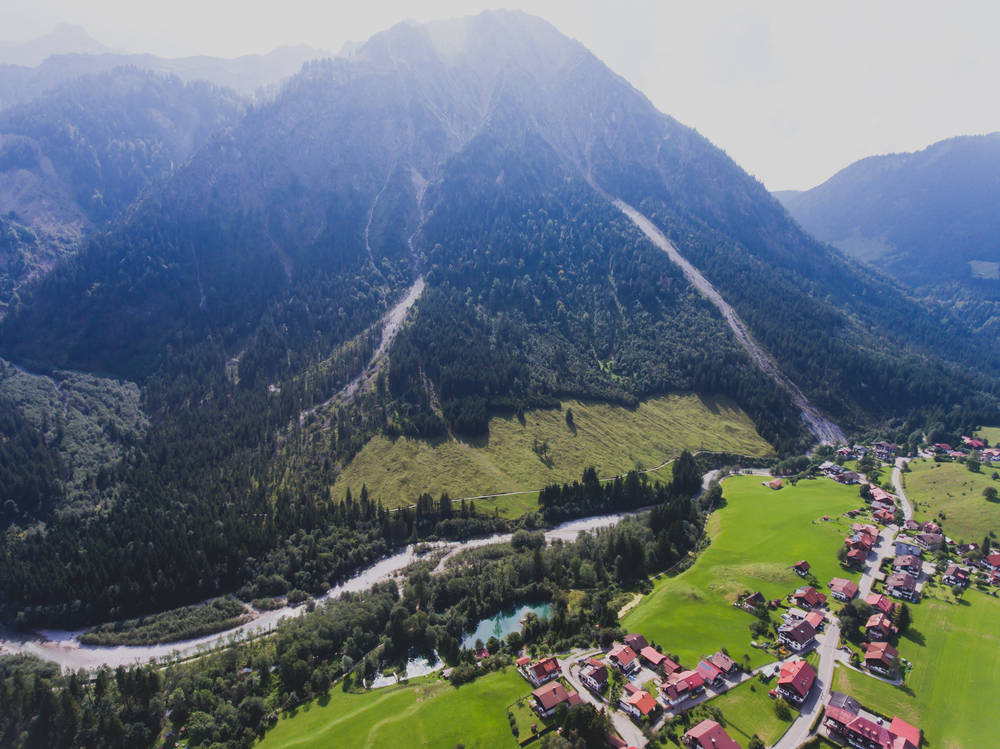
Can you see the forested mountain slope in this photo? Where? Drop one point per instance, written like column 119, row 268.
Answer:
column 928, row 218
column 481, row 156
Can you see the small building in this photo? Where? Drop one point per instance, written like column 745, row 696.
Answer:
column 847, row 477
column 795, row 681
column 955, row 575
column 904, row 548
column 773, row 484
column 808, row 597
column 930, row 527
column 544, row 671
column 907, row 563
column 594, row 675
column 711, row 673
column 801, row 568
column 624, row 659
column 930, row 541
column 635, row 641
column 911, row 525
column 901, row 585
column 843, row 590
column 881, row 658
column 548, row 697
column 708, row 735
column 723, row 662
column 637, row 702
column 797, row 636
column 658, row 661
column 884, row 516
column 816, row 619
column 856, row 558
column 754, row 602
column 880, row 603
column 681, row 686
column 991, row 562
column 885, row 450
column 879, row 628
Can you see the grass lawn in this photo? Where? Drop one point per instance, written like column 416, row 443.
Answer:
column 756, row 538
column 614, row 439
column 427, row 713
column 989, row 433
column 957, row 492
column 954, row 649
column 525, row 718
column 749, row 710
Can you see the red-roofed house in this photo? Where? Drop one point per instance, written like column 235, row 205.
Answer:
column 711, row 673
column 955, row 575
column 801, row 568
column 903, row 730
column 856, row 558
column 881, row 658
column 808, row 597
column 681, row 685
column 798, row 636
column 594, row 675
column 637, row 702
column 843, row 720
column 623, row 658
column 907, row 563
column 901, row 585
column 723, row 662
column 658, row 660
column 708, row 735
column 545, row 670
column 992, row 562
column 795, row 681
column 880, row 603
column 843, row 590
column 548, row 697
column 635, row 641
column 523, row 661
column 815, row 619
column 879, row 627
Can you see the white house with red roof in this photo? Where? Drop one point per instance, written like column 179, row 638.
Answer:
column 544, row 671
column 549, row 696
column 680, row 686
column 708, row 735
column 623, row 658
column 845, row 720
column 843, row 590
column 637, row 702
column 795, row 681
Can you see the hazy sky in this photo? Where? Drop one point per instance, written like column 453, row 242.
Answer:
column 792, row 89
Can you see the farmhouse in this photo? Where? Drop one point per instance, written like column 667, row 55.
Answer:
column 844, row 719
column 907, row 563
column 904, row 548
column 879, row 628
column 681, row 685
column 594, row 675
column 808, row 597
column 801, row 568
column 658, row 661
column 548, row 697
column 711, row 673
column 843, row 590
column 543, row 671
column 798, row 636
column 795, row 681
column 708, row 735
column 881, row 658
column 901, row 585
column 635, row 641
column 880, row 603
column 955, row 575
column 623, row 658
column 637, row 702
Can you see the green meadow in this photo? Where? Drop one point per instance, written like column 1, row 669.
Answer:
column 755, row 539
column 948, row 693
column 544, row 447
column 956, row 492
column 748, row 710
column 429, row 712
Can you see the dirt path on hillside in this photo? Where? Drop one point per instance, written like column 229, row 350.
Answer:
column 818, row 425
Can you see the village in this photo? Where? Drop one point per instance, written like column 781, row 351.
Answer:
column 854, row 625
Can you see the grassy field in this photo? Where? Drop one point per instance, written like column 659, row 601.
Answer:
column 428, row 713
column 954, row 649
column 989, row 433
column 756, row 538
column 614, row 439
column 748, row 710
column 954, row 490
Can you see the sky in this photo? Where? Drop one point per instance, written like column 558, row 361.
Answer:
column 793, row 90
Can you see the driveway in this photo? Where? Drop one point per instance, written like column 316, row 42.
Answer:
column 628, row 730
column 798, row 732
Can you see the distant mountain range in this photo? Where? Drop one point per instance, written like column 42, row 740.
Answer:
column 928, row 218
column 477, row 170
column 64, row 39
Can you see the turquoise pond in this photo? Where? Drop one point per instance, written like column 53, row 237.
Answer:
column 504, row 623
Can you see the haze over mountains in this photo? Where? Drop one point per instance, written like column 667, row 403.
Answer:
column 241, row 280
column 928, row 218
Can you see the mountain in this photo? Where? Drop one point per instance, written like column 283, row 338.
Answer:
column 926, row 218
column 248, row 74
column 537, row 229
column 74, row 158
column 64, row 39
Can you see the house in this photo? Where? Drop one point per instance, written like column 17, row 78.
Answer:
column 773, row 484
column 637, row 702
column 991, row 562
column 884, row 516
column 847, row 477
column 901, row 585
column 711, row 673
column 636, row 642
column 798, row 636
column 816, row 619
column 955, row 575
column 545, row 670
column 846, row 453
column 860, row 541
column 801, row 568
column 973, row 443
column 680, row 686
column 523, row 661
column 708, row 735
column 794, row 614
column 879, row 628
column 911, row 525
column 856, row 558
column 723, row 662
column 885, row 450
column 795, row 681
column 623, row 658
column 594, row 675
column 753, row 602
column 907, row 563
column 880, row 603
column 904, row 547
column 548, row 697
column 658, row 661
column 930, row 541
column 930, row 527
column 845, row 720
column 881, row 657
column 808, row 597
column 843, row 590
column 880, row 495
column 963, row 550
